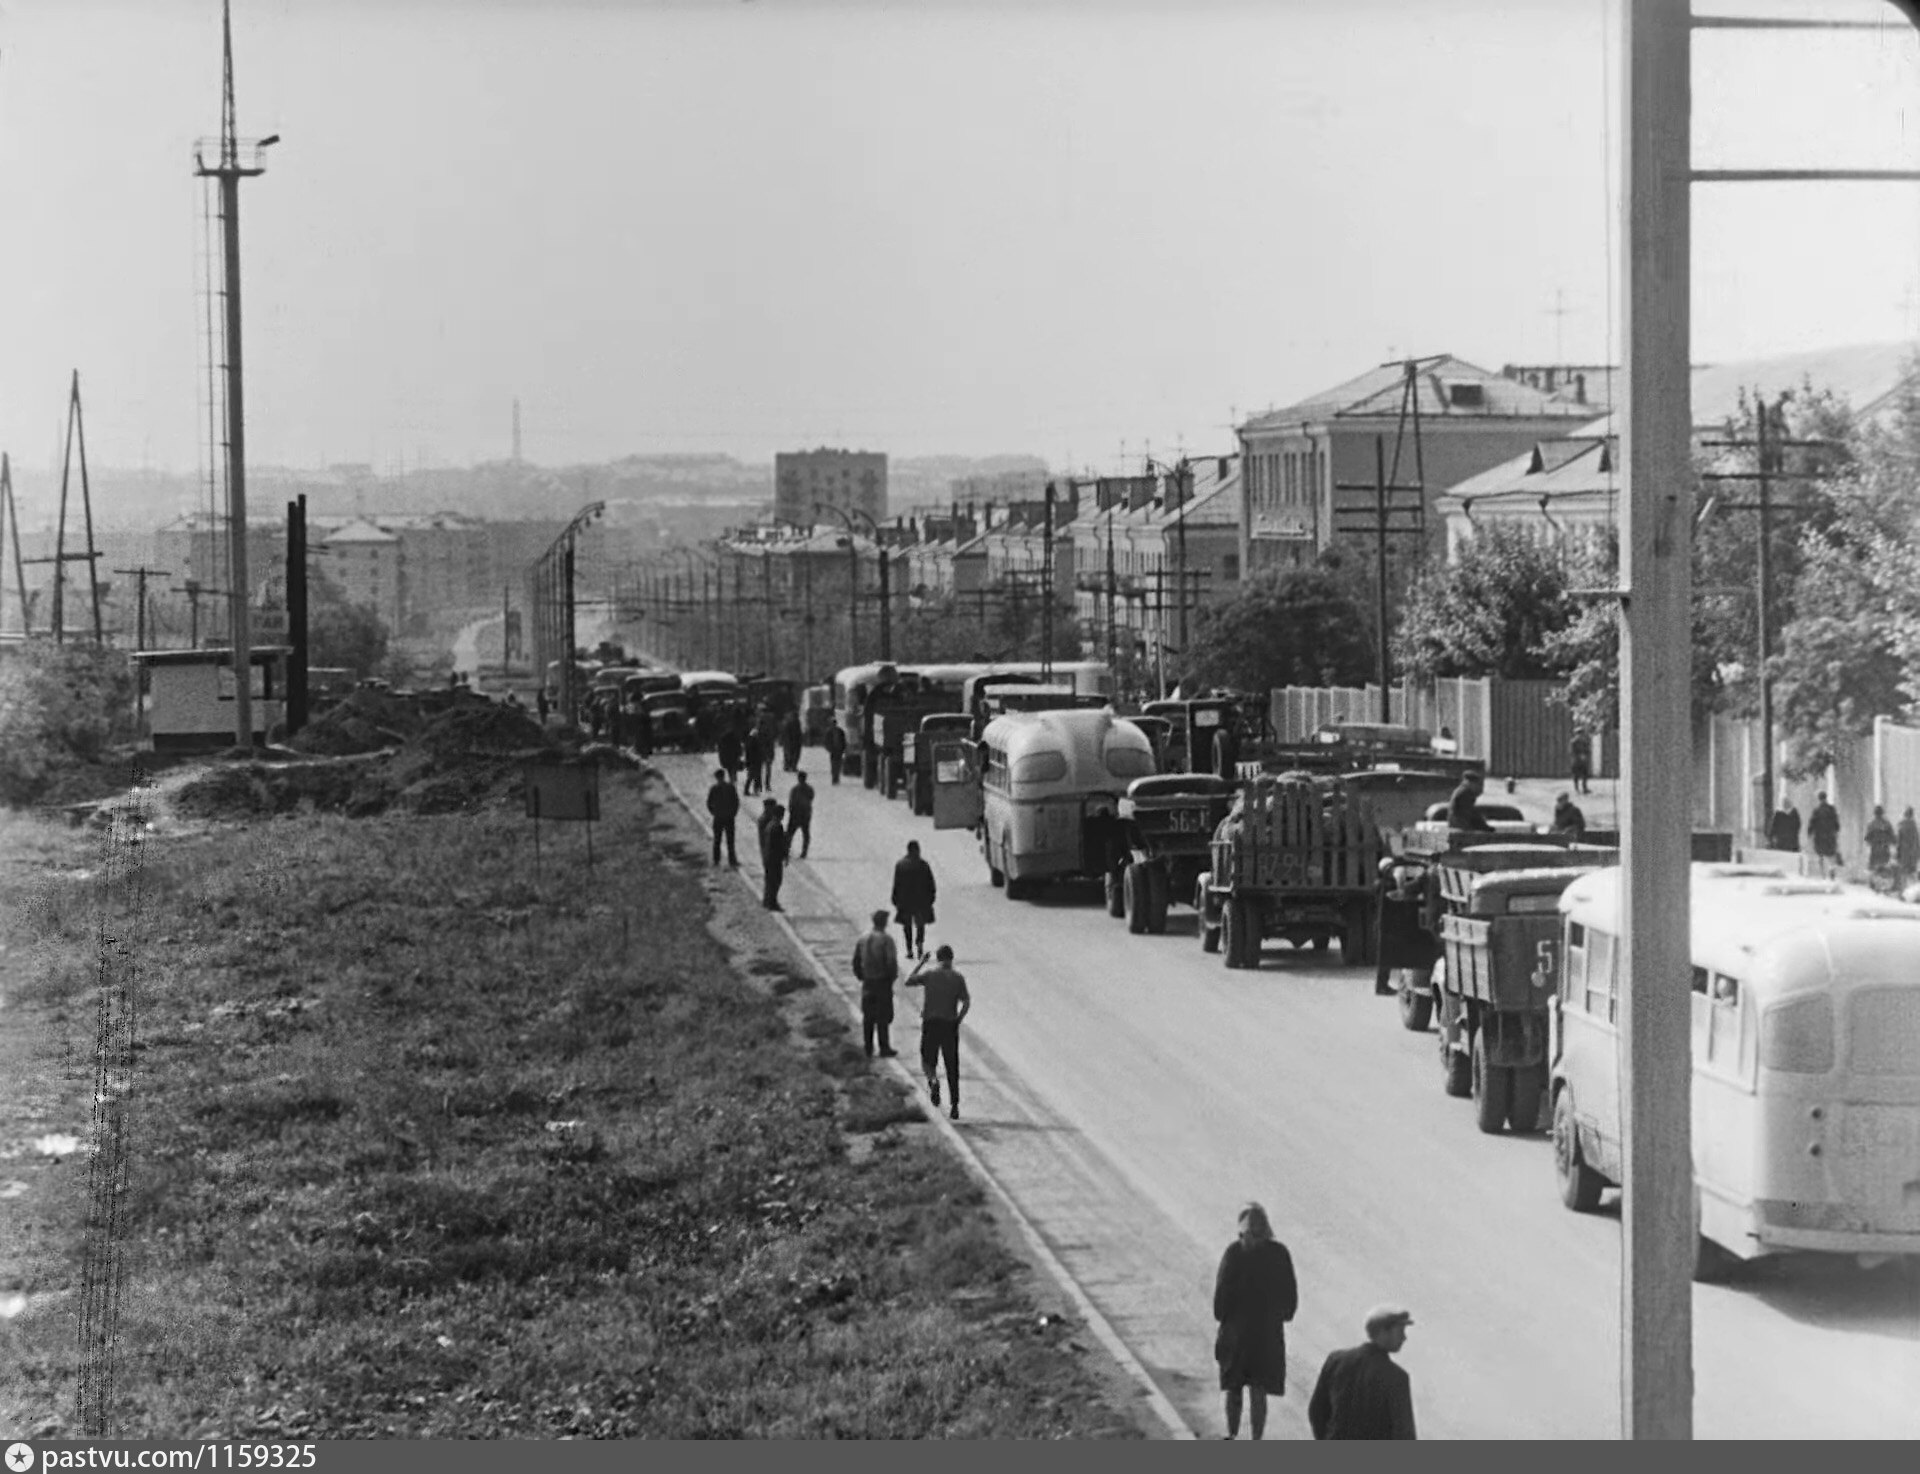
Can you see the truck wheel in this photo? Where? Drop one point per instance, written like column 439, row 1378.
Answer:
column 1416, row 1001
column 1208, row 931
column 1579, row 1184
column 1528, row 1105
column 1159, row 897
column 1116, row 894
column 1133, row 899
column 1242, row 933
column 1230, row 924
column 1492, row 1088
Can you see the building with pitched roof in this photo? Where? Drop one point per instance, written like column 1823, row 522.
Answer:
column 1569, row 485
column 1295, row 461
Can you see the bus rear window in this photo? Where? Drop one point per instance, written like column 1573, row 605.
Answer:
column 1127, row 762
column 1883, row 1032
column 1040, row 767
column 1798, row 1037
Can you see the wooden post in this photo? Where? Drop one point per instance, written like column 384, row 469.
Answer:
column 1656, row 1341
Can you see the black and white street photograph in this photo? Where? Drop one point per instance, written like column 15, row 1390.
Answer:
column 1014, row 720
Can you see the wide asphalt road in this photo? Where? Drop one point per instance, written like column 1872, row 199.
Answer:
column 1131, row 1093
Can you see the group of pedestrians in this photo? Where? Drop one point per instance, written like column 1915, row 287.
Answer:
column 1361, row 1392
column 1893, row 850
column 777, row 828
column 945, row 1001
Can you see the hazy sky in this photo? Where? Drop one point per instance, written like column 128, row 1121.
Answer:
column 944, row 226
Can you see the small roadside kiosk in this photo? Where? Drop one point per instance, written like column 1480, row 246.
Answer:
column 184, row 698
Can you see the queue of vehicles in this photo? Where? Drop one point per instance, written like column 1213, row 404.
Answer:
column 1806, row 994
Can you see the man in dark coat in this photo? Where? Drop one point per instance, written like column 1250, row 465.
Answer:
column 1254, row 1296
column 753, row 748
column 1463, row 809
column 913, row 898
column 1567, row 818
column 1361, row 1392
column 790, row 740
column 773, row 852
column 836, row 750
column 730, row 753
column 876, row 965
column 1582, row 763
column 1907, row 844
column 800, row 814
column 1783, row 830
column 1823, row 828
column 723, row 803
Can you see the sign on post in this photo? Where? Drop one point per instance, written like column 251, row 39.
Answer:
column 561, row 791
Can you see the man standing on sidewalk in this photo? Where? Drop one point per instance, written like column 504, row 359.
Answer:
column 773, row 852
column 723, row 803
column 800, row 814
column 946, row 1003
column 877, row 965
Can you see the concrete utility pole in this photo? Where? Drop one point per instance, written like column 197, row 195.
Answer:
column 1656, row 650
column 222, row 162
column 301, row 659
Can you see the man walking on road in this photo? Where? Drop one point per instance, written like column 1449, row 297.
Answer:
column 723, row 803
column 754, row 748
column 1361, row 1392
column 913, row 898
column 773, row 852
column 836, row 750
column 876, row 964
column 800, row 814
column 947, row 1002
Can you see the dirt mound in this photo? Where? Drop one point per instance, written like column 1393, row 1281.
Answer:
column 482, row 728
column 364, row 721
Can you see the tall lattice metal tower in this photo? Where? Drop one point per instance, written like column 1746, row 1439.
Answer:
column 225, row 161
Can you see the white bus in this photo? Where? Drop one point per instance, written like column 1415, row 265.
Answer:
column 1806, row 1063
column 1051, row 784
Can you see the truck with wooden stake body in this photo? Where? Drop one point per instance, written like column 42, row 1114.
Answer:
column 1295, row 858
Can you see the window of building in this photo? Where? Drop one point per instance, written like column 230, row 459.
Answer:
column 1230, row 567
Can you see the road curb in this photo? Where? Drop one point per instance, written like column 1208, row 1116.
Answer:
column 1103, row 1331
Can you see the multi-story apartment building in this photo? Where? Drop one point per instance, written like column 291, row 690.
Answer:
column 851, row 480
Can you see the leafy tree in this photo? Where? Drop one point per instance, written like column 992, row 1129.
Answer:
column 60, row 706
column 341, row 634
column 1488, row 613
column 1299, row 627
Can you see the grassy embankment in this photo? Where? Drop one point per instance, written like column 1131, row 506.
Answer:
column 356, row 1209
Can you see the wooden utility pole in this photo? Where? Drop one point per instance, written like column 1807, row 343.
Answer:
column 300, row 661
column 1656, row 653
column 12, row 527
column 1380, row 536
column 140, row 576
column 61, row 557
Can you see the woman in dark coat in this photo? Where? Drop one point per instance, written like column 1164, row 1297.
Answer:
column 1254, row 1296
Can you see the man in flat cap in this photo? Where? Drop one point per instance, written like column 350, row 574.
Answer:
column 1362, row 1393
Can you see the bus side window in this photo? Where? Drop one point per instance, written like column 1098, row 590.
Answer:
column 1723, row 1038
column 1573, row 976
column 1600, row 976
